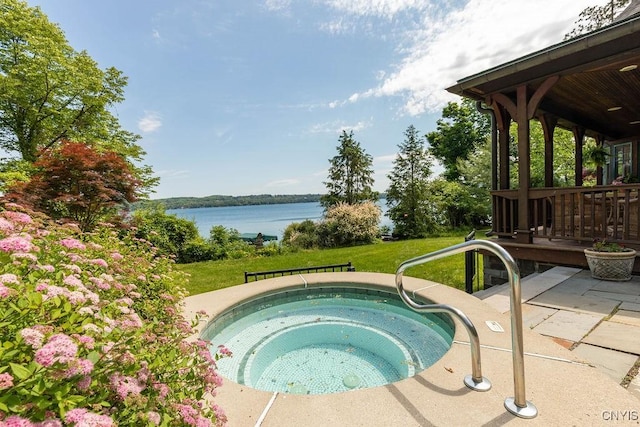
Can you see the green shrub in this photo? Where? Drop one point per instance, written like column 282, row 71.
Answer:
column 384, row 230
column 456, row 205
column 196, row 250
column 226, row 243
column 301, row 235
column 168, row 233
column 346, row 225
column 270, row 249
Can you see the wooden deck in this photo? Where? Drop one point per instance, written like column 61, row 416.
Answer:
column 572, row 214
column 563, row 222
column 550, row 253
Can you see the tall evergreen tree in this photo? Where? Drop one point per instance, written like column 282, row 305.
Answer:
column 407, row 192
column 350, row 177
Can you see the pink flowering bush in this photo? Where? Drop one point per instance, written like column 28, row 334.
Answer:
column 91, row 332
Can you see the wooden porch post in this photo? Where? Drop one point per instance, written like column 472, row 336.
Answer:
column 578, row 136
column 599, row 170
column 548, row 123
column 523, row 233
column 523, row 110
column 503, row 122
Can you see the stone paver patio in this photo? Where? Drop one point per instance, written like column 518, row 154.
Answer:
column 598, row 320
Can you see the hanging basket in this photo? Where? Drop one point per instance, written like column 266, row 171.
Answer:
column 616, row 266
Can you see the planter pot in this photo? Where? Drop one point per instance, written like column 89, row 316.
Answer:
column 616, row 266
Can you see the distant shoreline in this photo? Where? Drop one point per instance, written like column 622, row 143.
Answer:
column 217, row 201
column 222, row 201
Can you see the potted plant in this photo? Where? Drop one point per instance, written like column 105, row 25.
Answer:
column 597, row 155
column 610, row 261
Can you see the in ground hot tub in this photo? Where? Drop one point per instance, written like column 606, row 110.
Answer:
column 327, row 339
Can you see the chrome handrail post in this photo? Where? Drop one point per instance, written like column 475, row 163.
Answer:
column 474, row 381
column 517, row 405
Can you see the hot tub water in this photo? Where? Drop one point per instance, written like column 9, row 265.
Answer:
column 327, row 340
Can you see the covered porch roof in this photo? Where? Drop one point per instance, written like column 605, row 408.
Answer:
column 576, row 81
column 589, row 85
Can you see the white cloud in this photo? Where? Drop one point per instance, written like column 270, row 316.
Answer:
column 150, row 122
column 483, row 34
column 379, row 8
column 322, row 128
column 338, row 26
column 356, row 127
column 337, row 127
column 277, row 5
column 347, row 10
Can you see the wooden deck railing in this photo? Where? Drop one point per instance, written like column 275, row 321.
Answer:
column 573, row 213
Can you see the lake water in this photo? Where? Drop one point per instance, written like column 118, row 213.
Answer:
column 265, row 219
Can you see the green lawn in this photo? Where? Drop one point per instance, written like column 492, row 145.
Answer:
column 380, row 258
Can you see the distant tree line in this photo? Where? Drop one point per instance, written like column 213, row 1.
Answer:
column 218, row 201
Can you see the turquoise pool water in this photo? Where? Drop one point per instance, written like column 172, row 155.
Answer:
column 327, row 340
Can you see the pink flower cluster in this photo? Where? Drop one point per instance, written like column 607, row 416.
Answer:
column 84, row 418
column 75, row 297
column 190, row 416
column 100, row 283
column 18, row 217
column 78, row 367
column 60, row 348
column 153, row 417
column 15, row 244
column 162, row 389
column 9, row 278
column 5, row 291
column 16, row 421
column 131, row 321
column 32, row 337
column 224, row 351
column 86, row 341
column 6, row 226
column 124, row 386
column 99, row 262
column 71, row 243
column 6, row 380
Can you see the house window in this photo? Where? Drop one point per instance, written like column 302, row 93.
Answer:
column 621, row 162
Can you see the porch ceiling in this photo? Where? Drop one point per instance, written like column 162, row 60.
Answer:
column 590, row 81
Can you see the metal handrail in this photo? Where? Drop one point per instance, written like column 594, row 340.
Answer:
column 517, row 405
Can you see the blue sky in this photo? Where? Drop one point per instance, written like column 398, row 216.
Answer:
column 242, row 97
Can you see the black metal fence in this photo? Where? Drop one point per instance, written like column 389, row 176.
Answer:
column 257, row 275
